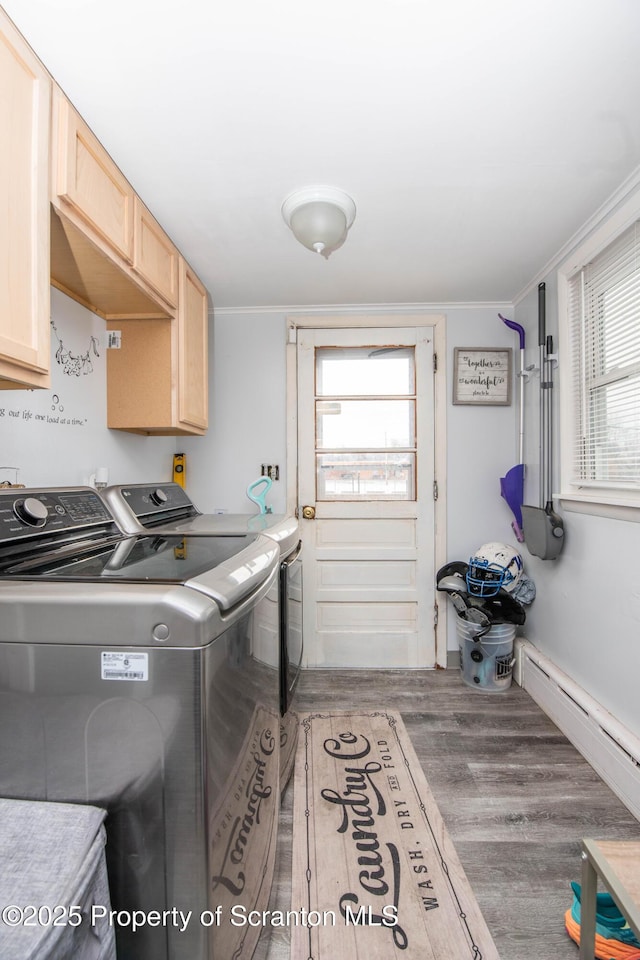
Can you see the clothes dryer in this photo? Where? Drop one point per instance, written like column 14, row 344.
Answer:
column 167, row 508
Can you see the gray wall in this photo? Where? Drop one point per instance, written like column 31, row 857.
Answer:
column 586, row 616
column 247, row 408
column 59, row 436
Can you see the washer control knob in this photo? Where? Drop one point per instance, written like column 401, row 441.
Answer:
column 31, row 511
column 159, row 497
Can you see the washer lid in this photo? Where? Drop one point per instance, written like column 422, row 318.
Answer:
column 282, row 529
column 225, row 568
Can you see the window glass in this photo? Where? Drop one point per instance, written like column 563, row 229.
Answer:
column 604, row 307
column 362, row 424
column 366, row 476
column 365, row 371
column 365, row 423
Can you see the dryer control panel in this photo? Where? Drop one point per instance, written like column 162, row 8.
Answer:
column 151, row 503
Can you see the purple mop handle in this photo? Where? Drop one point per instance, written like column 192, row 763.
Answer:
column 514, row 326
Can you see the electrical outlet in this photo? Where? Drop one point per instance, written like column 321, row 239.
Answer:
column 271, row 470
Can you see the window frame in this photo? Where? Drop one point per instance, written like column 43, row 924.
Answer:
column 598, row 499
column 410, row 449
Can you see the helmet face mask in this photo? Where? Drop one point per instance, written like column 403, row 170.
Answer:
column 495, row 567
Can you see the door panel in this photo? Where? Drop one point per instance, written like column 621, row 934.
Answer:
column 379, row 579
column 352, row 536
column 371, row 617
column 366, row 465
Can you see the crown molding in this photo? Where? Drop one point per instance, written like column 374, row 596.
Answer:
column 361, row 308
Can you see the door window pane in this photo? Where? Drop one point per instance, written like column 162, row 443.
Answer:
column 366, row 476
column 362, row 424
column 365, row 371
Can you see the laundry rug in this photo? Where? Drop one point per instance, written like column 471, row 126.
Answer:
column 375, row 874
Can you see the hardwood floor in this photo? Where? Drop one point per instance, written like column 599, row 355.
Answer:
column 516, row 797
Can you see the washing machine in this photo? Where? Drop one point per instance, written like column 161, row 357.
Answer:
column 166, row 507
column 129, row 680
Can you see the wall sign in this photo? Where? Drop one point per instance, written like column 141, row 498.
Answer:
column 482, row 375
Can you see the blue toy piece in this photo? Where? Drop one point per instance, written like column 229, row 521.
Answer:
column 259, row 498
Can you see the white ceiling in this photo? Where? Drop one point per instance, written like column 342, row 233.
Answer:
column 475, row 136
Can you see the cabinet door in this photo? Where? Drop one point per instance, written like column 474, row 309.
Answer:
column 154, row 256
column 90, row 182
column 24, row 224
column 193, row 402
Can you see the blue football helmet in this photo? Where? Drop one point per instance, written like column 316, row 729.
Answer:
column 494, row 567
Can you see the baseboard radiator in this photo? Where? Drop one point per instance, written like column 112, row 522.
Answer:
column 611, row 749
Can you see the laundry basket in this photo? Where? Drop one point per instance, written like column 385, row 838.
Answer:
column 486, row 663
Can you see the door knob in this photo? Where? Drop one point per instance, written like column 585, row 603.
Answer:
column 309, row 513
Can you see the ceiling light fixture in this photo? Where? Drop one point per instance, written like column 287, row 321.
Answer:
column 319, row 217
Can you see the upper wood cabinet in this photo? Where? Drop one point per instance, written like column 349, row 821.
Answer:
column 107, row 250
column 193, row 406
column 69, row 217
column 154, row 256
column 157, row 377
column 88, row 180
column 24, row 223
column 110, row 253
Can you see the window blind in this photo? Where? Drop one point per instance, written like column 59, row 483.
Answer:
column 604, row 322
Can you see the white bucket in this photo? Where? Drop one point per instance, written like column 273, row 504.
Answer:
column 486, row 664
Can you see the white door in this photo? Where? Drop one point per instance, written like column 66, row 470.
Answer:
column 366, row 496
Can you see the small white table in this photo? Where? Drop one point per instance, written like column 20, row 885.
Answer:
column 617, row 863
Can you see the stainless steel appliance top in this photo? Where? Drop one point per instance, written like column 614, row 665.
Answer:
column 167, row 507
column 61, row 552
